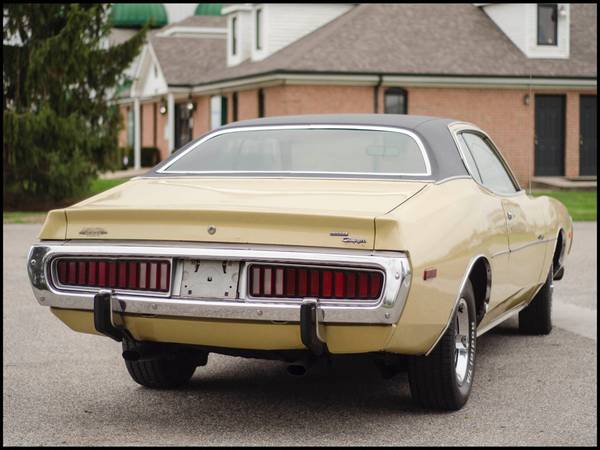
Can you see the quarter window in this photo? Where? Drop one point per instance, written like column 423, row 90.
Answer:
column 395, row 101
column 547, row 24
column 487, row 165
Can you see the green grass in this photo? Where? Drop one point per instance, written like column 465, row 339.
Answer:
column 581, row 205
column 23, row 217
column 100, row 185
column 97, row 186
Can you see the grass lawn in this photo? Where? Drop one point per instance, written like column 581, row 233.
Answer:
column 581, row 205
column 97, row 186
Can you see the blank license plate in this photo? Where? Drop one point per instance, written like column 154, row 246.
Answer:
column 210, row 279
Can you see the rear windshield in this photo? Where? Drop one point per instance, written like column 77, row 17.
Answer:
column 335, row 151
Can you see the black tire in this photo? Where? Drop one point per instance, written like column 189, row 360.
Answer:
column 536, row 318
column 163, row 372
column 434, row 383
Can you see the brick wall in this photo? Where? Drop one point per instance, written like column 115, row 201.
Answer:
column 147, row 120
column 201, row 116
column 500, row 112
column 122, row 139
column 317, row 99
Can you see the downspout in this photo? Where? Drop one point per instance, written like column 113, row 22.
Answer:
column 376, row 93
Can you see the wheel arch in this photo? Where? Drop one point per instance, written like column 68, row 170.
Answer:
column 481, row 280
column 478, row 269
column 558, row 256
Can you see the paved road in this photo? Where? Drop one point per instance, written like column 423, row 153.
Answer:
column 72, row 389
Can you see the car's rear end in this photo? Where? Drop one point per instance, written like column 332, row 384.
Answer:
column 201, row 271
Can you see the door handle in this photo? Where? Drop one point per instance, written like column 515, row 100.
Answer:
column 509, row 215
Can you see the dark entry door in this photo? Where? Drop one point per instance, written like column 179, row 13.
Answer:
column 587, row 135
column 183, row 129
column 550, row 135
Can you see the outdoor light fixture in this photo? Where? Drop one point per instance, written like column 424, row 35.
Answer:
column 163, row 106
column 526, row 99
column 562, row 11
column 190, row 105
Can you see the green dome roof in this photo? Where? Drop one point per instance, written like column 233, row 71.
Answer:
column 208, row 9
column 136, row 15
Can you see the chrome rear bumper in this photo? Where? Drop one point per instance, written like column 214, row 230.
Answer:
column 386, row 310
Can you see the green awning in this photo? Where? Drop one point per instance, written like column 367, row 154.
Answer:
column 136, row 15
column 208, row 9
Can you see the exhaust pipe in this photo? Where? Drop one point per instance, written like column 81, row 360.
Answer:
column 143, row 352
column 296, row 370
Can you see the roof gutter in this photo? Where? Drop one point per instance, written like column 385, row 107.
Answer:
column 403, row 80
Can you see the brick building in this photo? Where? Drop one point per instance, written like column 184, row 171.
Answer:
column 526, row 73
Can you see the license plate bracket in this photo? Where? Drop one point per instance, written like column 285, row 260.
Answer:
column 210, row 279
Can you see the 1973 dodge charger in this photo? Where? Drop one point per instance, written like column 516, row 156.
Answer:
column 302, row 237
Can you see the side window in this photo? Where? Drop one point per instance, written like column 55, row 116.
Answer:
column 488, row 167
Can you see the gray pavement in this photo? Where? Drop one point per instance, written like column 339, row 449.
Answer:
column 65, row 388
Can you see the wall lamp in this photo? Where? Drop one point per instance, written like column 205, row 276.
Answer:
column 190, row 105
column 163, row 106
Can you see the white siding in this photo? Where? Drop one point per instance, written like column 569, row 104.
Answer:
column 519, row 23
column 244, row 36
column 284, row 23
column 149, row 79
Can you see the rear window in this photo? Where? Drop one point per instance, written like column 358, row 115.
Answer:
column 335, row 151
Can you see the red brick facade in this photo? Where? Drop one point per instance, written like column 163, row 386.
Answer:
column 503, row 113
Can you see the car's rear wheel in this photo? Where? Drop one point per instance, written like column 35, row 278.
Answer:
column 536, row 318
column 164, row 371
column 443, row 379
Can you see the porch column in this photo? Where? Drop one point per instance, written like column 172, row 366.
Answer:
column 137, row 136
column 171, row 121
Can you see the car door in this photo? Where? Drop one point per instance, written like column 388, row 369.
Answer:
column 498, row 255
column 524, row 222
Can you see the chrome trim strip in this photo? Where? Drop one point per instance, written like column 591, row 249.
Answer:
column 416, row 138
column 504, row 316
column 457, row 127
column 522, row 247
column 395, row 265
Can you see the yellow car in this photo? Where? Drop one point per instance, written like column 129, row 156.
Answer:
column 303, row 237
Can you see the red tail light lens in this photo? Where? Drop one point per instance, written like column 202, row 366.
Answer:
column 137, row 275
column 323, row 283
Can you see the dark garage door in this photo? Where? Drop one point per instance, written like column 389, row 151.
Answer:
column 550, row 135
column 587, row 135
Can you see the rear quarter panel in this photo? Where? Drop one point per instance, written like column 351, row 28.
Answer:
column 444, row 227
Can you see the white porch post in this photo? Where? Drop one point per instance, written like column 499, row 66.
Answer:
column 137, row 136
column 171, row 121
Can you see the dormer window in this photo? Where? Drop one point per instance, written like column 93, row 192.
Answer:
column 234, row 35
column 547, row 29
column 258, row 29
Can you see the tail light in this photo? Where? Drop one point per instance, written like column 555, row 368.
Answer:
column 126, row 274
column 323, row 283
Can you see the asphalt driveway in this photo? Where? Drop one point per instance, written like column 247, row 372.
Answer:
column 64, row 388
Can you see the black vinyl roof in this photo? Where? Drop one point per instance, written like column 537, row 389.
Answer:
column 433, row 131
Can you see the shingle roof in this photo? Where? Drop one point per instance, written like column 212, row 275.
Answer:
column 412, row 39
column 186, row 60
column 198, row 21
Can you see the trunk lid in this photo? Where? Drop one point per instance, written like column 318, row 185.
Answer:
column 281, row 211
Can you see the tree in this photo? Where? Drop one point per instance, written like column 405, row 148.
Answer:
column 60, row 126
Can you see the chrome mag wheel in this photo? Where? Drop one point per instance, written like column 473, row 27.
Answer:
column 462, row 342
